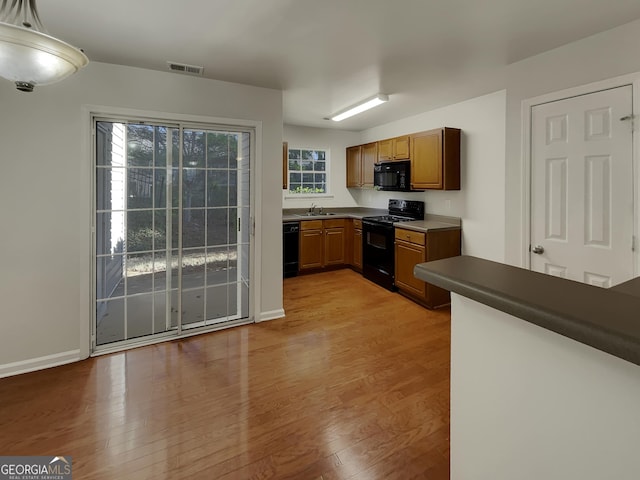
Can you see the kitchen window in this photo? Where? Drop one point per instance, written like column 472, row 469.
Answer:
column 308, row 171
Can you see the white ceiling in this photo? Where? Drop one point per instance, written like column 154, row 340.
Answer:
column 328, row 54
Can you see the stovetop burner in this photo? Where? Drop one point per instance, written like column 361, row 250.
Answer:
column 388, row 219
column 400, row 211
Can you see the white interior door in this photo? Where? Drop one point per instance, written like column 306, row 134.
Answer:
column 582, row 188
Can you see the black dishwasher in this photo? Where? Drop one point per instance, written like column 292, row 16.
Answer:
column 290, row 231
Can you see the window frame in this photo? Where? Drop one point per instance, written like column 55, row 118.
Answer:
column 95, row 115
column 327, row 172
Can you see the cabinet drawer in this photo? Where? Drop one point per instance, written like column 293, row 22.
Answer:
column 410, row 236
column 357, row 224
column 311, row 225
column 334, row 223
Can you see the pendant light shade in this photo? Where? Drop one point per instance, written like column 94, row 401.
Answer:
column 29, row 56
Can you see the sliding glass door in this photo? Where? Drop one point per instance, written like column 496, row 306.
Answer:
column 172, row 236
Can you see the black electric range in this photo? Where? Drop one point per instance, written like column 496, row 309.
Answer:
column 378, row 258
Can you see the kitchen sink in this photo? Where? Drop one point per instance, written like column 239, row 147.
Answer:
column 313, row 214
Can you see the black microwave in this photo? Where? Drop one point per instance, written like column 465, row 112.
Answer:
column 392, row 176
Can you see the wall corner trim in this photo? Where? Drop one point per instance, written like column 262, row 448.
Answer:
column 271, row 315
column 40, row 363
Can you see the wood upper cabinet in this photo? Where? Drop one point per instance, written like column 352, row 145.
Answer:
column 413, row 247
column 285, row 165
column 360, row 161
column 385, row 150
column 354, row 167
column 401, row 149
column 394, row 149
column 322, row 243
column 434, row 156
column 435, row 159
column 369, row 159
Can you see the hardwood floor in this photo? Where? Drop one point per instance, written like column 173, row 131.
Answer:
column 353, row 383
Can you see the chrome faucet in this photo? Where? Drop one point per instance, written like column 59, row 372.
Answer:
column 312, row 208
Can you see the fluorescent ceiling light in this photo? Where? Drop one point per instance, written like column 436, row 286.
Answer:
column 361, row 107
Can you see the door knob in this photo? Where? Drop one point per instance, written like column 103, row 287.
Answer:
column 538, row 249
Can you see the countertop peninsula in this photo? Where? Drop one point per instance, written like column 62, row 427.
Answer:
column 432, row 222
column 606, row 319
column 631, row 287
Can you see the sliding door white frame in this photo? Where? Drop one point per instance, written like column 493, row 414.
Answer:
column 90, row 112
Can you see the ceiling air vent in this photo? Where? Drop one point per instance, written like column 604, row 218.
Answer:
column 184, row 68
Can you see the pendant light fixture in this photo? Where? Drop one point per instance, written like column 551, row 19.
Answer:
column 28, row 55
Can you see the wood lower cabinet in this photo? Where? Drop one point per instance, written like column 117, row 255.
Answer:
column 413, row 247
column 356, row 260
column 311, row 245
column 410, row 250
column 334, row 243
column 353, row 242
column 435, row 159
column 322, row 244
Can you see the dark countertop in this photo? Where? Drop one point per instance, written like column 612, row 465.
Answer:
column 297, row 214
column 630, row 287
column 431, row 222
column 606, row 319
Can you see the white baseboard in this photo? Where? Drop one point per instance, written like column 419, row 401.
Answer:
column 40, row 363
column 272, row 315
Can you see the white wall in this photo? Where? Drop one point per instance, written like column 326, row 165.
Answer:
column 480, row 202
column 45, row 196
column 530, row 404
column 336, row 141
column 602, row 56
